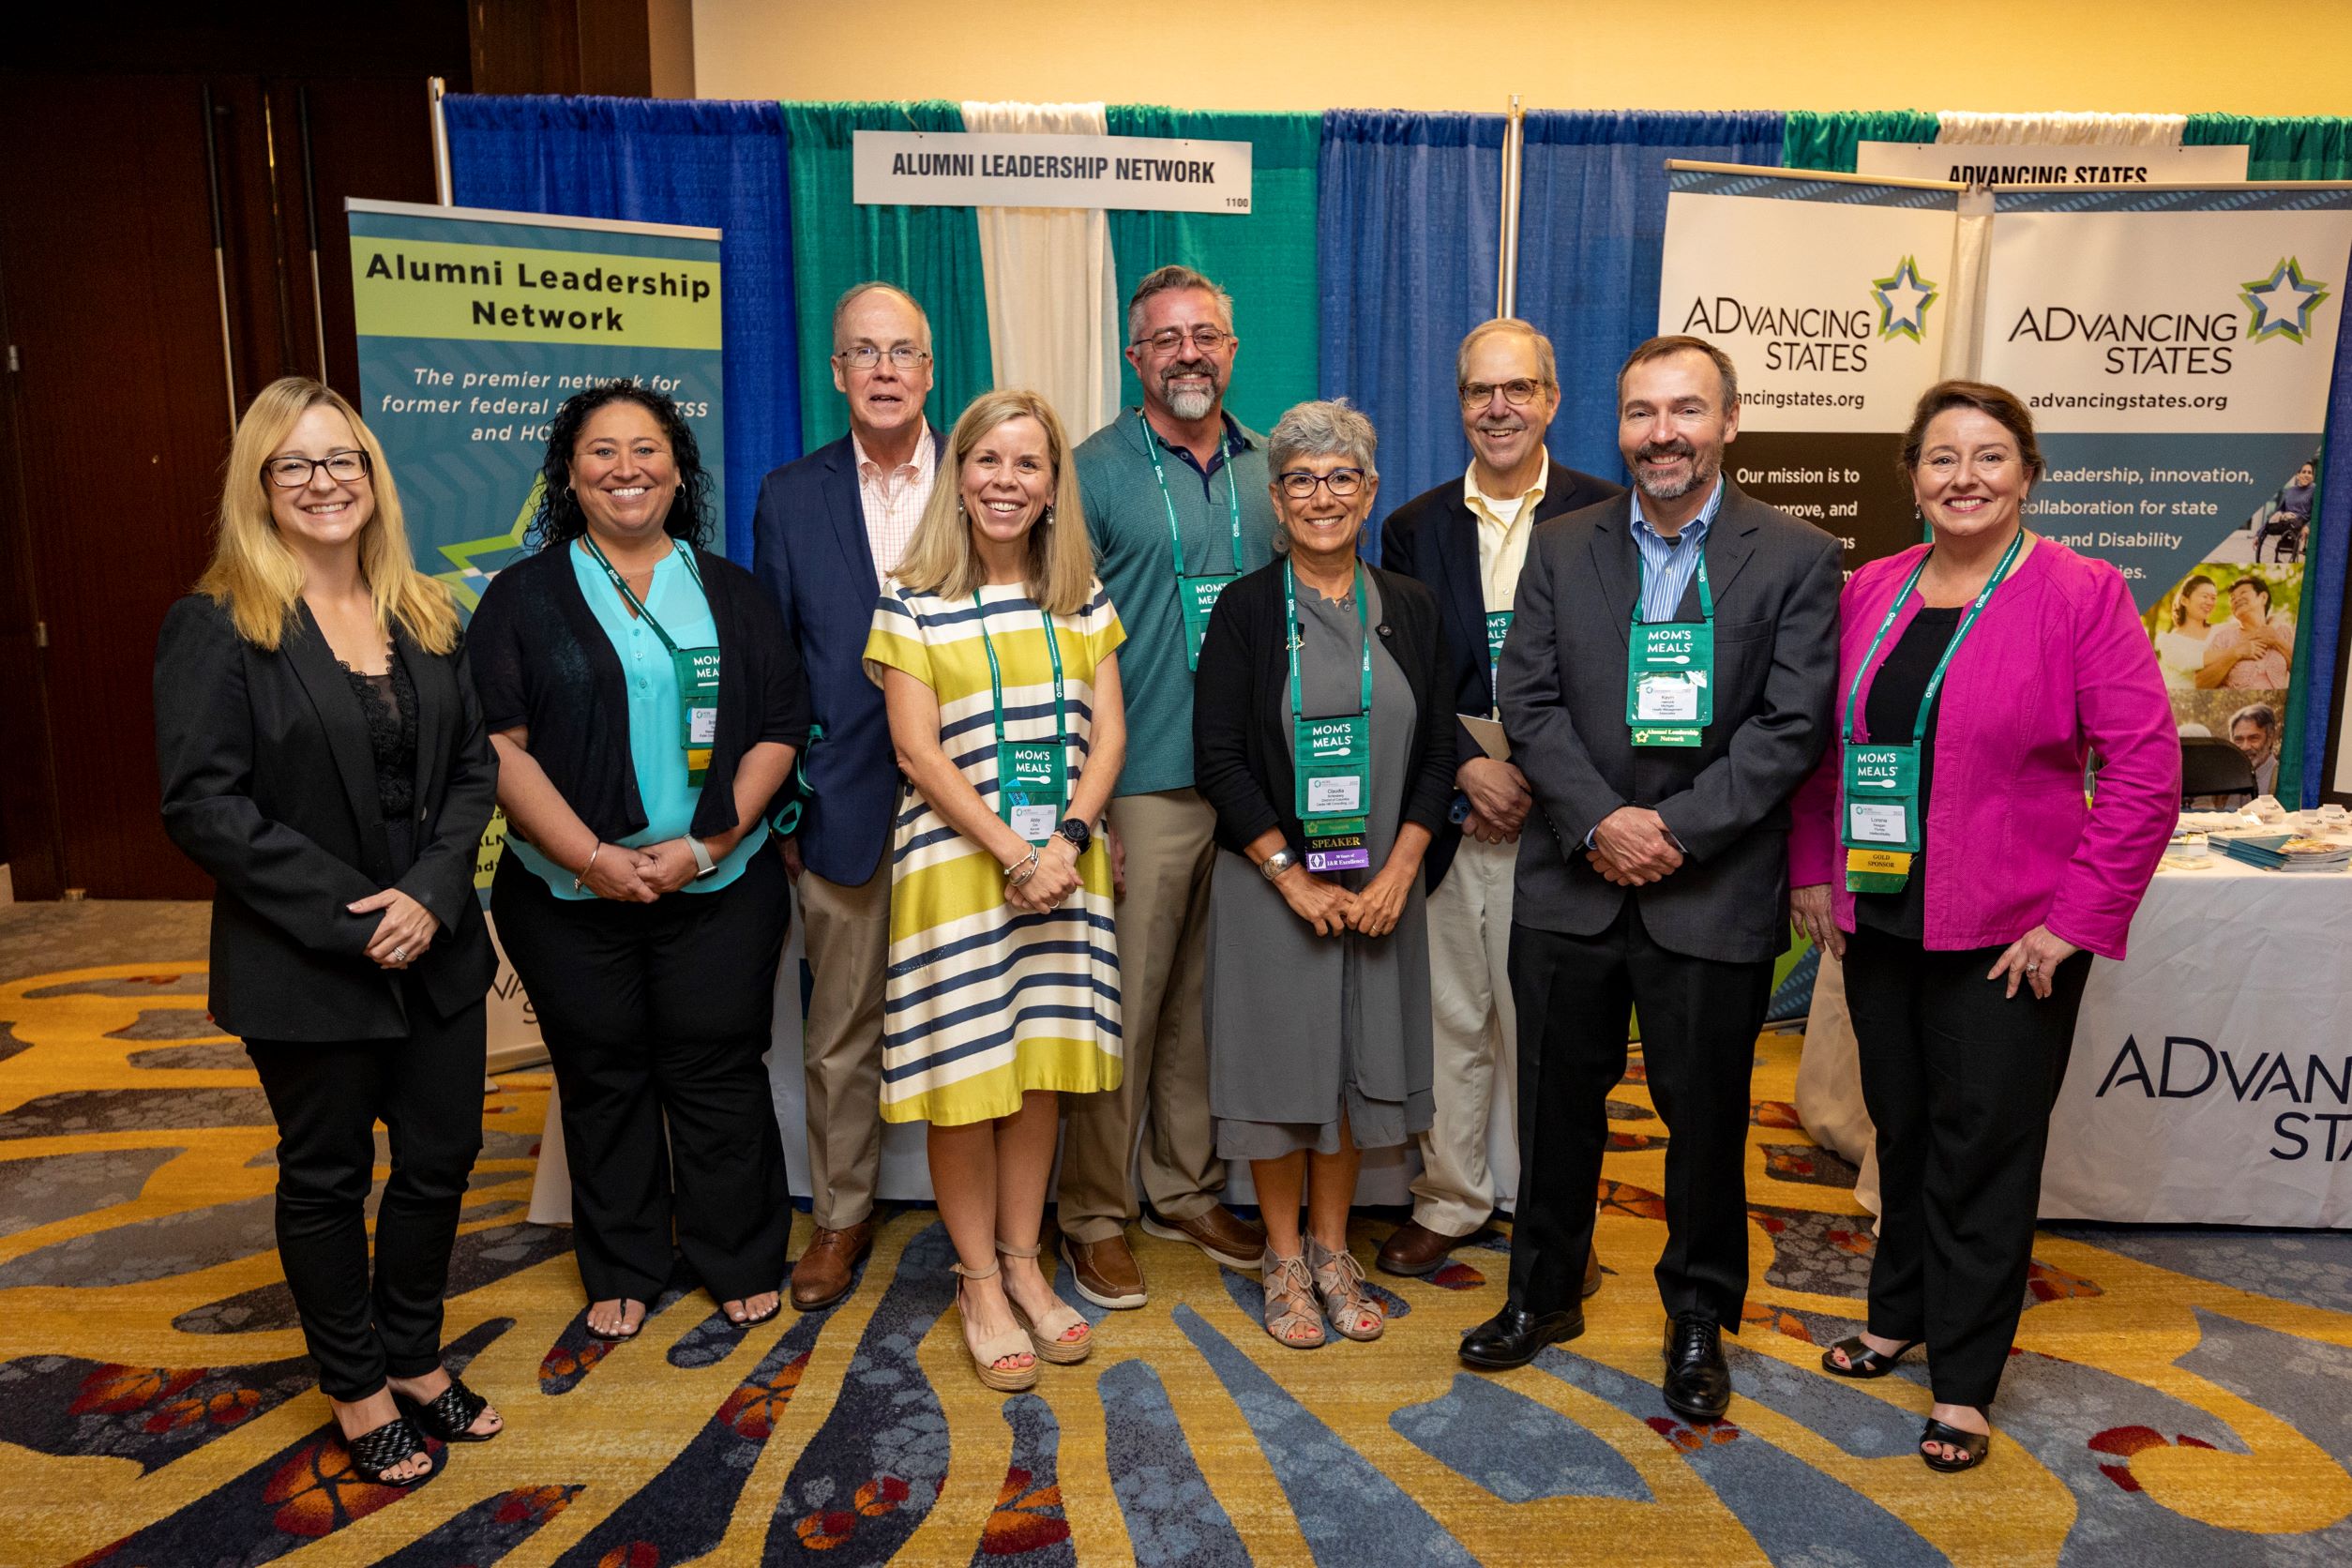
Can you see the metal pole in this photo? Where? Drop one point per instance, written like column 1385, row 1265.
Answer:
column 1507, row 251
column 436, row 89
column 221, row 263
column 310, row 217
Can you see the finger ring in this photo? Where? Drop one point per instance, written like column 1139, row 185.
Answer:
column 2034, row 968
column 399, row 954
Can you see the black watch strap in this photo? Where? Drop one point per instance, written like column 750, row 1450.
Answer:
column 1076, row 832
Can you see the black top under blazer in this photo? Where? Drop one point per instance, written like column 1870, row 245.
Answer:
column 1775, row 581
column 269, row 785
column 541, row 660
column 1241, row 747
column 1434, row 537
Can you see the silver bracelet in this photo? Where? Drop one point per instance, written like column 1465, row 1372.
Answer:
column 581, row 881
column 1021, row 870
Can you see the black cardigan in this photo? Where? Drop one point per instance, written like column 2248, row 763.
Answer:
column 541, row 660
column 269, row 786
column 1241, row 748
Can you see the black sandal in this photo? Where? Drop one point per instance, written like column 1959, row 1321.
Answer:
column 594, row 1333
column 1971, row 1444
column 754, row 1321
column 1863, row 1362
column 373, row 1453
column 450, row 1414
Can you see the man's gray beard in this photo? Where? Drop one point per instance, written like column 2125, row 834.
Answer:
column 1191, row 405
column 1703, row 472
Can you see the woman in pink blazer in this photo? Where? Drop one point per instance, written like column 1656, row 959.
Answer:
column 1945, row 852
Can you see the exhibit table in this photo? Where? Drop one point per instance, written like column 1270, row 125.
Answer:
column 2212, row 1075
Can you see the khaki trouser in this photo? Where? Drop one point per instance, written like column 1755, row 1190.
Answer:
column 847, row 930
column 1473, row 1034
column 1162, row 964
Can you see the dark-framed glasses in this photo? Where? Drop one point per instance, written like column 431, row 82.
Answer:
column 1518, row 393
column 344, row 468
column 1168, row 339
column 1299, row 485
column 904, row 356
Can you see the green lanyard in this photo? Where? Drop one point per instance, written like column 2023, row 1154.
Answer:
column 1705, row 599
column 695, row 669
column 1290, row 610
column 1330, row 759
column 637, row 604
column 1670, row 670
column 1032, row 777
column 1232, row 500
column 1934, row 681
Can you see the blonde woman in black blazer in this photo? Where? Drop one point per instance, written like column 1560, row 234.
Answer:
column 323, row 760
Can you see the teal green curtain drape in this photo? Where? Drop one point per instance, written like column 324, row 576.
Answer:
column 1813, row 139
column 1265, row 260
column 931, row 252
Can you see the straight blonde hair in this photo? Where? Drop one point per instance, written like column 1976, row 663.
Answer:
column 256, row 578
column 940, row 560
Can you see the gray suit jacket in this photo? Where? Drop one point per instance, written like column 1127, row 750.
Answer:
column 1562, row 686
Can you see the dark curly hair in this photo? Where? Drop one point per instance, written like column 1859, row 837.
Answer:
column 560, row 520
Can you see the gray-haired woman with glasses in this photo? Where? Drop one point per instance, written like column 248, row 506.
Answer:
column 1321, row 735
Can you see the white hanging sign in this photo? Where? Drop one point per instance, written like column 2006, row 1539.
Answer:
column 978, row 169
column 2038, row 163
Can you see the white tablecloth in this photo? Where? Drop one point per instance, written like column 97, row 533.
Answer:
column 2212, row 1075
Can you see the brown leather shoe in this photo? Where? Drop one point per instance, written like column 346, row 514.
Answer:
column 1591, row 1271
column 1219, row 1232
column 1106, row 1272
column 1414, row 1249
column 827, row 1270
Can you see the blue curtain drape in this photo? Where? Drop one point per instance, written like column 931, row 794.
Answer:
column 1592, row 194
column 2326, row 569
column 1406, row 243
column 654, row 160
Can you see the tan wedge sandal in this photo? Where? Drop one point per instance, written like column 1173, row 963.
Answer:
column 1347, row 1301
column 998, row 1347
column 1049, row 1333
column 1291, row 1317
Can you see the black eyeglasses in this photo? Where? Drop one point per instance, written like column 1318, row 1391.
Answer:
column 1518, row 393
column 1299, row 485
column 904, row 356
column 1206, row 339
column 294, row 472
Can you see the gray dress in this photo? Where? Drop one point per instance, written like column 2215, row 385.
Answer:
column 1303, row 1028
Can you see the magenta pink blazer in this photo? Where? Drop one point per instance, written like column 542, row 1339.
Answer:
column 2057, row 667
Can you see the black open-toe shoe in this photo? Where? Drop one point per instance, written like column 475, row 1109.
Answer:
column 1971, row 1444
column 595, row 1333
column 450, row 1414
column 1861, row 1360
column 754, row 1319
column 376, row 1451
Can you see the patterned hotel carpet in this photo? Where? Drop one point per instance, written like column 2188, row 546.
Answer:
column 2178, row 1398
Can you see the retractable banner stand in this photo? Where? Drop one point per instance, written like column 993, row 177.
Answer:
column 473, row 328
column 1831, row 298
column 2176, row 346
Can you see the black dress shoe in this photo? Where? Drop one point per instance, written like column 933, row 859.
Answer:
column 1513, row 1336
column 1698, row 1381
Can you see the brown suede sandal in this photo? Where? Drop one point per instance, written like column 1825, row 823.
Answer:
column 1050, row 1333
column 998, row 1347
column 1291, row 1303
column 1339, row 1283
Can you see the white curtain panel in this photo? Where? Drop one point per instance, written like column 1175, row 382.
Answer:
column 1052, row 292
column 2062, row 129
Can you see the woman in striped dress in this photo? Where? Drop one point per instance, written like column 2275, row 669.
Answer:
column 995, row 646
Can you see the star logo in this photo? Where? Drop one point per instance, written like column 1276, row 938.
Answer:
column 1902, row 302
column 2281, row 303
column 467, row 580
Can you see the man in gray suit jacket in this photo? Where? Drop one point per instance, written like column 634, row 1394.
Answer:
column 1658, row 880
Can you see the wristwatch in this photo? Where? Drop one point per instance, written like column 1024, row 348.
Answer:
column 703, row 864
column 1076, row 832
column 1277, row 863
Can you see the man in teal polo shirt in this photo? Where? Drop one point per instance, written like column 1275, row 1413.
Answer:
column 1178, row 504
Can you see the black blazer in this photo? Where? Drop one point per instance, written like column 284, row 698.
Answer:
column 1241, row 748
column 544, row 662
column 1775, row 581
column 1434, row 537
column 270, row 787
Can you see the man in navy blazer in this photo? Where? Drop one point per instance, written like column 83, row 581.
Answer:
column 1467, row 540
column 829, row 528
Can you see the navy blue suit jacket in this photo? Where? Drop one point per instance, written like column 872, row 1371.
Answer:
column 1434, row 538
column 809, row 551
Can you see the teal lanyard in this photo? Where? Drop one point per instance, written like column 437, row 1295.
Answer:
column 1297, row 633
column 1232, row 498
column 996, row 676
column 1935, row 681
column 637, row 604
column 1706, row 600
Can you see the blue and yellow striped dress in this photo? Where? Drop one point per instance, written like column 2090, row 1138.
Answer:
column 982, row 1003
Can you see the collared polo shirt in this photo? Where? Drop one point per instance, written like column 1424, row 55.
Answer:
column 1127, row 520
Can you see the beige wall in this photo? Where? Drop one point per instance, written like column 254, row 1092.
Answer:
column 2155, row 55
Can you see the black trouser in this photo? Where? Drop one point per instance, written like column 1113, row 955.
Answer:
column 1699, row 1020
column 654, row 1012
column 426, row 1090
column 1959, row 1078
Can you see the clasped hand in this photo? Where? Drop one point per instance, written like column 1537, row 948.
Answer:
column 1631, row 848
column 407, row 929
column 1055, row 879
column 1498, row 799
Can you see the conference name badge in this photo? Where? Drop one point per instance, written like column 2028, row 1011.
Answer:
column 1030, row 780
column 1498, row 629
column 1883, row 827
column 1669, row 681
column 1333, row 761
column 1197, row 597
column 1876, row 870
column 1340, row 853
column 697, row 672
